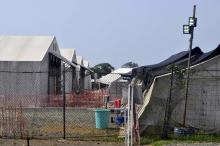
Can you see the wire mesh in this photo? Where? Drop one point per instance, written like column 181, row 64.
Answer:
column 202, row 108
column 202, row 104
column 32, row 105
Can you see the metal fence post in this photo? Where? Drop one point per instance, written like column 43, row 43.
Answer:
column 128, row 121
column 64, row 104
column 28, row 141
column 168, row 108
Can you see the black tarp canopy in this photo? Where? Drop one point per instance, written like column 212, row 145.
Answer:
column 172, row 59
column 149, row 72
column 207, row 56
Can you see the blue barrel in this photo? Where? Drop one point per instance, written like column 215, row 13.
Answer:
column 102, row 118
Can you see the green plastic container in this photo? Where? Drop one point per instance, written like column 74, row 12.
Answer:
column 102, row 118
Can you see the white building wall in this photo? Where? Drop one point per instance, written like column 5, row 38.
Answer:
column 71, row 83
column 24, row 82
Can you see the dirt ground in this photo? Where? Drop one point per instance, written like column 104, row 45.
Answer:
column 18, row 142
column 196, row 144
column 53, row 142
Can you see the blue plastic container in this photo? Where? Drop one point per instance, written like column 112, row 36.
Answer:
column 102, row 118
column 119, row 120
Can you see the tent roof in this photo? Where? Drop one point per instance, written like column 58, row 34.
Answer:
column 79, row 60
column 207, row 55
column 24, row 48
column 172, row 59
column 69, row 54
column 148, row 73
column 115, row 75
column 63, row 59
column 86, row 63
column 122, row 71
column 109, row 78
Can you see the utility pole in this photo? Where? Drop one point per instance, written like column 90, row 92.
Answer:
column 189, row 29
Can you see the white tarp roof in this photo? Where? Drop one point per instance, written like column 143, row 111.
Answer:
column 82, row 64
column 79, row 60
column 86, row 63
column 109, row 78
column 122, row 71
column 69, row 54
column 114, row 76
column 24, row 48
column 63, row 59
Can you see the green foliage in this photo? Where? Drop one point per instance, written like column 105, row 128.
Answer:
column 102, row 69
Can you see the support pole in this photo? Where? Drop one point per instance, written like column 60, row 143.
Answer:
column 28, row 141
column 167, row 110
column 48, row 80
column 188, row 68
column 132, row 116
column 128, row 121
column 64, row 104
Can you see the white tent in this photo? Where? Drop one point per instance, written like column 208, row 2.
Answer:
column 115, row 75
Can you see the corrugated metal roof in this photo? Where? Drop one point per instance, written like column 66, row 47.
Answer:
column 24, row 48
column 69, row 54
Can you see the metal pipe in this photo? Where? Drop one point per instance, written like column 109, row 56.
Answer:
column 128, row 122
column 167, row 108
column 132, row 115
column 188, row 68
column 64, row 104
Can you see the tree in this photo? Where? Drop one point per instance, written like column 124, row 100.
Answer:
column 129, row 65
column 102, row 69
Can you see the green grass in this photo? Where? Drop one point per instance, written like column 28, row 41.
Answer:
column 112, row 138
column 157, row 141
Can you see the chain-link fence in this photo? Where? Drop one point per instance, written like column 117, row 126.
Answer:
column 201, row 107
column 51, row 104
column 168, row 109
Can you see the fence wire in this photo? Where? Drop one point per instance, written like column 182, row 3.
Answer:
column 50, row 105
column 202, row 105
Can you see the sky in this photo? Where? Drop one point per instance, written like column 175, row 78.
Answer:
column 115, row 31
